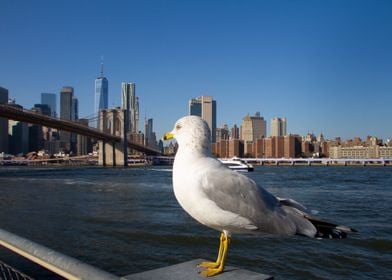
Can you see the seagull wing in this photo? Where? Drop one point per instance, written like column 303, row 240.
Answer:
column 236, row 193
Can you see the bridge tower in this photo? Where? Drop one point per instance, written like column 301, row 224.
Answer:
column 113, row 153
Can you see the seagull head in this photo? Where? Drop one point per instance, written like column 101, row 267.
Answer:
column 191, row 132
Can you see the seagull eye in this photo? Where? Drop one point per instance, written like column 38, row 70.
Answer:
column 178, row 127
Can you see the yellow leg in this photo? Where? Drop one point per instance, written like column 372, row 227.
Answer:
column 218, row 259
column 211, row 271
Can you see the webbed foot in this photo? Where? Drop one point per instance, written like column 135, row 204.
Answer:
column 211, row 271
column 209, row 264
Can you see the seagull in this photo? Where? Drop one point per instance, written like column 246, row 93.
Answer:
column 230, row 202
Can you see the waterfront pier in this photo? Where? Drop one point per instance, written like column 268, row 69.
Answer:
column 190, row 271
column 71, row 268
column 320, row 161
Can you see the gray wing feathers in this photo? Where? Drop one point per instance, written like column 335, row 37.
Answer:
column 236, row 193
column 292, row 203
column 303, row 226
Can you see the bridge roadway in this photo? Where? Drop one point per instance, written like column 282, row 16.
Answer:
column 24, row 115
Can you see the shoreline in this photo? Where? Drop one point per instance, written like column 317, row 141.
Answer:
column 168, row 161
column 258, row 164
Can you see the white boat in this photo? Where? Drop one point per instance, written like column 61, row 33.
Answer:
column 237, row 164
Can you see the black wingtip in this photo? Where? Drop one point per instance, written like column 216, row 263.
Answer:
column 329, row 230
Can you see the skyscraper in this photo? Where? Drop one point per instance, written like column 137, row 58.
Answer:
column 253, row 127
column 75, row 117
column 148, row 128
column 66, row 113
column 235, row 132
column 149, row 134
column 195, row 107
column 205, row 107
column 222, row 133
column 50, row 100
column 278, row 127
column 101, row 93
column 3, row 123
column 19, row 137
column 130, row 102
column 39, row 133
column 19, row 134
column 43, row 109
column 84, row 145
column 75, row 109
column 66, row 96
column 137, row 115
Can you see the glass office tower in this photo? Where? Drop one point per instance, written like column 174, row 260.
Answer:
column 50, row 100
column 101, row 93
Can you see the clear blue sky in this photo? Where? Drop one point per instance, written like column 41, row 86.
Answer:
column 325, row 65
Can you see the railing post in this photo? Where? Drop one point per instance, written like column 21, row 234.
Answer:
column 60, row 264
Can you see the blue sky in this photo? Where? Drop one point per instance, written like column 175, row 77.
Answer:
column 324, row 65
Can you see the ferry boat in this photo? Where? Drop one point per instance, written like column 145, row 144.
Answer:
column 237, row 164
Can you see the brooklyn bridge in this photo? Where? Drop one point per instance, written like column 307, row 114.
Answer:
column 111, row 135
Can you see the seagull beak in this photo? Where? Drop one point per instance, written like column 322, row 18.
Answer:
column 168, row 136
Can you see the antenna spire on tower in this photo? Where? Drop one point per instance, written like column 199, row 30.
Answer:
column 102, row 66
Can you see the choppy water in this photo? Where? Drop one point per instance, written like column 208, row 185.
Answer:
column 127, row 220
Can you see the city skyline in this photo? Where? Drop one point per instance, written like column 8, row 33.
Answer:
column 324, row 66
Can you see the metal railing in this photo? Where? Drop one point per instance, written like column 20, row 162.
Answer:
column 56, row 262
column 7, row 272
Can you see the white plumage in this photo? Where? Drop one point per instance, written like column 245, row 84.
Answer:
column 221, row 198
column 226, row 200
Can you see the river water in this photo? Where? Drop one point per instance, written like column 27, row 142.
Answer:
column 126, row 220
